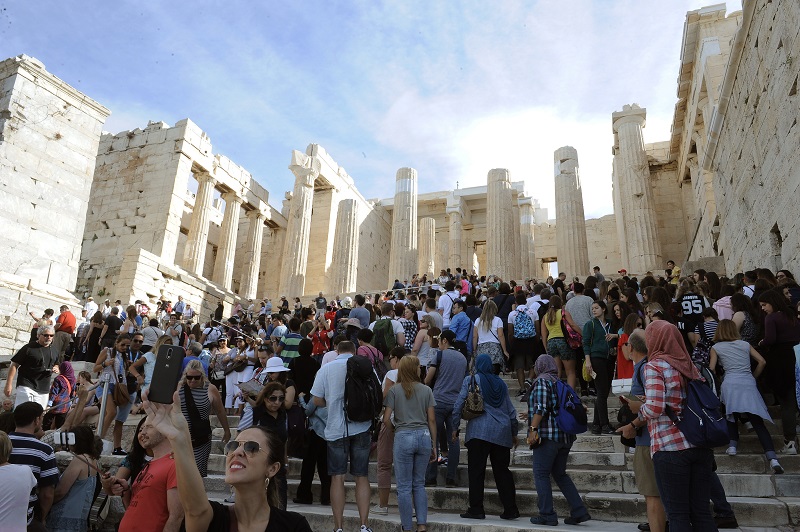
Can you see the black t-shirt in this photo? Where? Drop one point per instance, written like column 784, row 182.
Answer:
column 262, row 418
column 559, row 284
column 321, row 302
column 114, row 325
column 35, row 366
column 692, row 307
column 304, row 369
column 279, row 520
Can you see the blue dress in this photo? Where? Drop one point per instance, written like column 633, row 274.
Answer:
column 70, row 513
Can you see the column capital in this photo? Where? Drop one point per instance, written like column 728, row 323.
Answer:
column 232, row 197
column 629, row 114
column 205, row 177
column 304, row 167
column 455, row 205
column 258, row 215
column 525, row 201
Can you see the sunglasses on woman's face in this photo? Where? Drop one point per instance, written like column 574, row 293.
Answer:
column 250, row 447
column 276, row 398
column 193, row 377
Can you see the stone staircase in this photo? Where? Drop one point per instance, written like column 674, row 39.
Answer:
column 600, row 466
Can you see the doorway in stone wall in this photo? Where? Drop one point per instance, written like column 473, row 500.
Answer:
column 548, row 266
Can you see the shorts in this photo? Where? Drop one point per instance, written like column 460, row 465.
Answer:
column 523, row 353
column 645, row 472
column 25, row 394
column 124, row 410
column 558, row 348
column 356, row 448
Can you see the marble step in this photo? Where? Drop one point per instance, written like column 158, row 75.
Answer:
column 611, row 507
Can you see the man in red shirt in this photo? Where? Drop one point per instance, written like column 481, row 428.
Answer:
column 65, row 328
column 151, row 500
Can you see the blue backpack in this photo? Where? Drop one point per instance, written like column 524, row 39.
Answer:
column 570, row 413
column 523, row 326
column 701, row 420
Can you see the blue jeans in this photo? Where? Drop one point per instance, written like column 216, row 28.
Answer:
column 444, row 425
column 412, row 451
column 684, row 479
column 550, row 458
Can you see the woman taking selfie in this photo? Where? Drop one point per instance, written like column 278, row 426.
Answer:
column 251, row 462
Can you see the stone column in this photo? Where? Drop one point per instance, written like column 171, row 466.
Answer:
column 226, row 250
column 517, row 244
column 252, row 257
column 571, row 246
column 619, row 213
column 455, row 214
column 427, row 246
column 499, row 234
column 194, row 254
column 403, row 251
column 636, row 195
column 526, row 229
column 298, row 230
column 344, row 265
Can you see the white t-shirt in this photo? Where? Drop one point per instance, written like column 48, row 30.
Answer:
column 446, row 304
column 485, row 337
column 90, row 307
column 327, row 357
column 17, row 481
column 149, row 366
column 391, row 375
column 522, row 308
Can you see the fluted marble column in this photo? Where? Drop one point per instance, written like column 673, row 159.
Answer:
column 298, row 230
column 252, row 255
column 427, row 246
column 517, row 245
column 571, row 246
column 636, row 195
column 526, row 240
column 194, row 255
column 403, row 251
column 455, row 214
column 226, row 250
column 499, row 235
column 619, row 213
column 344, row 264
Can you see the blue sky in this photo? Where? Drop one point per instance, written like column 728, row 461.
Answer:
column 452, row 89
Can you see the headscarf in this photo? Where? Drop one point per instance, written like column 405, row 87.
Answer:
column 493, row 389
column 67, row 372
column 664, row 342
column 545, row 368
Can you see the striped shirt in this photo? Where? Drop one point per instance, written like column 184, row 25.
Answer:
column 543, row 400
column 27, row 450
column 290, row 343
column 663, row 387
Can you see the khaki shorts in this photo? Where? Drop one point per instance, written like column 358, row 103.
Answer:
column 645, row 472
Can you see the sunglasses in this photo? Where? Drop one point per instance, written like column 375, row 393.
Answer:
column 137, row 341
column 193, row 377
column 250, row 447
column 276, row 398
column 47, row 335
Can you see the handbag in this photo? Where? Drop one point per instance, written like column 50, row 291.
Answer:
column 625, row 417
column 120, row 395
column 573, row 337
column 473, row 404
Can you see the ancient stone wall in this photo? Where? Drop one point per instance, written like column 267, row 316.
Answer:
column 755, row 161
column 49, row 133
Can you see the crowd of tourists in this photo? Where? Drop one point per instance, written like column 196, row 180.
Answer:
column 396, row 373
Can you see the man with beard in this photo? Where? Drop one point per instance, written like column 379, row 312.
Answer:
column 151, row 499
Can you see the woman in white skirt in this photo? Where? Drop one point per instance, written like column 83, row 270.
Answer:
column 246, row 373
column 739, row 391
column 232, row 377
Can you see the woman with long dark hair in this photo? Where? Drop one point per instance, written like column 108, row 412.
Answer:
column 75, row 491
column 781, row 334
column 745, row 319
column 252, row 461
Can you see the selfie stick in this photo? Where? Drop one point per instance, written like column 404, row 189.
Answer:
column 240, row 332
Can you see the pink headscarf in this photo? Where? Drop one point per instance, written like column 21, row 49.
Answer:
column 664, row 342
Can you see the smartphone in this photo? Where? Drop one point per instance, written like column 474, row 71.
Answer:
column 66, row 438
column 166, row 374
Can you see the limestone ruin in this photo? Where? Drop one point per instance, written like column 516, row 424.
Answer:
column 153, row 213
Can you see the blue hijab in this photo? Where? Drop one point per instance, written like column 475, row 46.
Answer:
column 493, row 389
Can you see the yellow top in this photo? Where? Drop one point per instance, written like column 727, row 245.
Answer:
column 554, row 330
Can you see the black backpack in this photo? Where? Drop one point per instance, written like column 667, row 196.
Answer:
column 363, row 398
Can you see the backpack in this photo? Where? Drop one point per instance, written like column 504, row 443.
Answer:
column 701, row 354
column 523, row 326
column 375, row 357
column 384, row 339
column 363, row 398
column 570, row 413
column 701, row 421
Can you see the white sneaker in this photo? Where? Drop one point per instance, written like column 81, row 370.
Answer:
column 776, row 467
column 731, row 451
column 379, row 510
column 365, row 528
column 789, row 448
column 749, row 426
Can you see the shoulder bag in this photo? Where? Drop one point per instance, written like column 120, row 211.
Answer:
column 473, row 404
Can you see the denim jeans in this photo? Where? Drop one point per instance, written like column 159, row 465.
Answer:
column 550, row 458
column 444, row 425
column 684, row 479
column 412, row 451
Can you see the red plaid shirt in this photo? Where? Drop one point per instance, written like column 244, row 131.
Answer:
column 663, row 387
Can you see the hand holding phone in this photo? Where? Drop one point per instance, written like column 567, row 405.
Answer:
column 166, row 374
